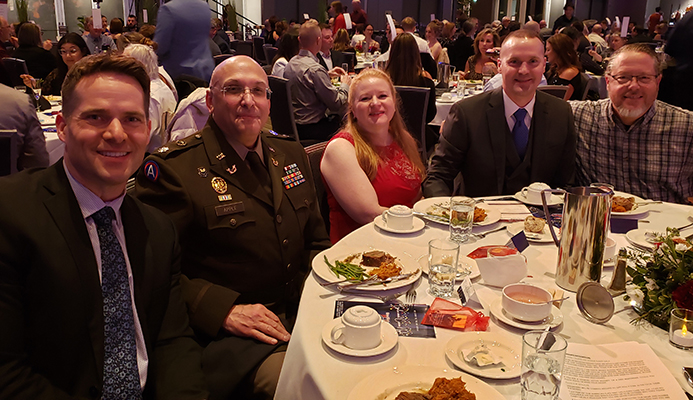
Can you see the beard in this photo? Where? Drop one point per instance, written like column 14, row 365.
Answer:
column 631, row 112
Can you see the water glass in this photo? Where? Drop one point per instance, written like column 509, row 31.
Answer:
column 542, row 365
column 442, row 266
column 461, row 218
column 345, row 67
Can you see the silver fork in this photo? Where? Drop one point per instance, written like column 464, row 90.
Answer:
column 392, row 298
column 410, row 297
column 483, row 234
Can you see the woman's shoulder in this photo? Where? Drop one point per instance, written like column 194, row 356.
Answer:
column 343, row 135
column 569, row 73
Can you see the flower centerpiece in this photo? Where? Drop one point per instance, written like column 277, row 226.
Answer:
column 664, row 276
column 359, row 47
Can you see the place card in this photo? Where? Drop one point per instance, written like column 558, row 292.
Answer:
column 466, row 292
column 518, row 242
column 623, row 225
column 407, row 320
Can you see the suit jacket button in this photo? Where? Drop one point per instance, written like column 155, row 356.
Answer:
column 233, row 221
column 94, row 392
column 279, row 219
column 285, row 242
column 305, row 201
column 287, row 267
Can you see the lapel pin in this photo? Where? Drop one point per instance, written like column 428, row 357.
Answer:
column 219, row 185
column 162, row 149
column 271, row 148
column 225, row 197
column 220, row 156
column 274, row 162
column 202, row 172
column 231, row 170
column 181, row 143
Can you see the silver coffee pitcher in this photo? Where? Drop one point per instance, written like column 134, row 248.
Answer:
column 584, row 228
column 445, row 72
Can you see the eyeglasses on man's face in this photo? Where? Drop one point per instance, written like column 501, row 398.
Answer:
column 240, row 91
column 641, row 79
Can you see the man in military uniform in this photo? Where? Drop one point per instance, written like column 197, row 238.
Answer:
column 246, row 211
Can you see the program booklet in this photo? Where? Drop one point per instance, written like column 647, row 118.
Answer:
column 405, row 319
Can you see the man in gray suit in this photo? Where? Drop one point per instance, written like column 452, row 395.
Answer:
column 19, row 113
column 182, row 32
column 505, row 139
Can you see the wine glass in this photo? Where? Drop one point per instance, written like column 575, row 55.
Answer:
column 38, row 83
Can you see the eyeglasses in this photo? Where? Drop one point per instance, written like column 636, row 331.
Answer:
column 641, row 79
column 66, row 52
column 240, row 91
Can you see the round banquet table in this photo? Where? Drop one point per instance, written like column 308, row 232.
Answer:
column 313, row 371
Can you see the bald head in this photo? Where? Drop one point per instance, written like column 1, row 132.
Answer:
column 235, row 63
column 533, row 26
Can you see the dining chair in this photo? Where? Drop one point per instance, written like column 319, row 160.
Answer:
column 244, row 48
column 281, row 109
column 585, row 81
column 9, row 153
column 270, row 53
column 218, row 59
column 258, row 42
column 15, row 67
column 414, row 101
column 315, row 153
column 554, row 90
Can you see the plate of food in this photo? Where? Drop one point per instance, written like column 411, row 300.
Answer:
column 381, row 268
column 627, row 204
column 486, row 354
column 535, row 229
column 422, row 382
column 440, row 207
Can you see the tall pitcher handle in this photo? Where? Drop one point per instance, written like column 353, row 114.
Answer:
column 547, row 214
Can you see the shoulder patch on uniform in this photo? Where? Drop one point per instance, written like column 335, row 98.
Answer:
column 151, row 170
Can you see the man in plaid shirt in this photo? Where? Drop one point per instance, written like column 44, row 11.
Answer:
column 638, row 144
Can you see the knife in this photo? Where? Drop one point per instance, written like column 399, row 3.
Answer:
column 378, row 281
column 434, row 218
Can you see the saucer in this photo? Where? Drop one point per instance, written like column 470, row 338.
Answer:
column 388, row 336
column 419, row 224
column 552, row 321
column 507, row 347
column 554, row 200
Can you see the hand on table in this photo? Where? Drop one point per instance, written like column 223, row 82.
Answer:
column 255, row 321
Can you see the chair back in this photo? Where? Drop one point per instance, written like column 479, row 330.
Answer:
column 9, row 153
column 258, row 42
column 221, row 57
column 414, row 106
column 281, row 109
column 315, row 153
column 244, row 48
column 270, row 53
column 585, row 82
column 186, row 84
column 554, row 90
column 15, row 67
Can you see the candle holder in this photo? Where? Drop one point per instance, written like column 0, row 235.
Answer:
column 681, row 328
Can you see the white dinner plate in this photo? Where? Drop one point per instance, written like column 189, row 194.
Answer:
column 544, row 237
column 388, row 340
column 405, row 260
column 493, row 215
column 463, row 262
column 552, row 321
column 387, row 384
column 554, row 200
column 507, row 347
column 451, row 101
column 638, row 238
column 418, row 223
column 637, row 210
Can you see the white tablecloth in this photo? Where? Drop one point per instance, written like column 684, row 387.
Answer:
column 312, row 371
column 54, row 145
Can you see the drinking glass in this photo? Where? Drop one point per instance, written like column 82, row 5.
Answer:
column 37, row 88
column 681, row 328
column 345, row 67
column 442, row 266
column 542, row 365
column 461, row 218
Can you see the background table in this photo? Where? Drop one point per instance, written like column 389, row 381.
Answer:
column 313, row 371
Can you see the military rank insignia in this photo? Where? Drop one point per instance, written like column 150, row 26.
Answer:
column 293, row 177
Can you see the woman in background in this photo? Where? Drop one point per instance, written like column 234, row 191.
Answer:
column 71, row 48
column 288, row 47
column 373, row 163
column 564, row 65
column 486, row 40
column 432, row 33
column 39, row 61
column 342, row 42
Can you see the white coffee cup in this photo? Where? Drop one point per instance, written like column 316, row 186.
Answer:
column 359, row 329
column 399, row 217
column 533, row 192
column 609, row 249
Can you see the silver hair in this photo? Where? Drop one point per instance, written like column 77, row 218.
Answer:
column 146, row 56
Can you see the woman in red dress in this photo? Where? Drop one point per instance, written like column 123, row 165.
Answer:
column 373, row 163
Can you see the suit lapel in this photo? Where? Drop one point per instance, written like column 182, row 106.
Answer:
column 229, row 165
column 498, row 128
column 64, row 209
column 275, row 163
column 136, row 239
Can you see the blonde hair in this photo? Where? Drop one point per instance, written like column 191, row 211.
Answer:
column 366, row 155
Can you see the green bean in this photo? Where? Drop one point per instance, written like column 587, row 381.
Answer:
column 347, row 270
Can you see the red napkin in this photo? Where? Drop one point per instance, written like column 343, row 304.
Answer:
column 446, row 314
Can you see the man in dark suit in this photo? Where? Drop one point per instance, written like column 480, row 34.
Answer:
column 326, row 56
column 507, row 138
column 246, row 209
column 89, row 276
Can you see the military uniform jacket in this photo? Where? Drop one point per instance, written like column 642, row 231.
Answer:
column 238, row 244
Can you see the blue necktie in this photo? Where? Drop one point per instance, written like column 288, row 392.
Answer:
column 520, row 132
column 121, row 378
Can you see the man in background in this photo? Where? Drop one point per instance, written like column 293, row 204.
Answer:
column 358, row 15
column 96, row 41
column 132, row 25
column 19, row 113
